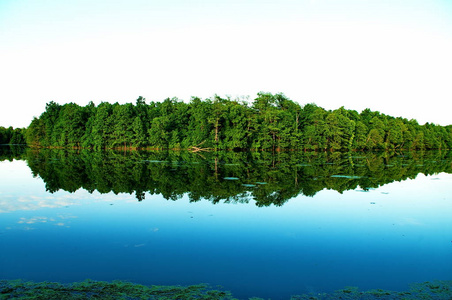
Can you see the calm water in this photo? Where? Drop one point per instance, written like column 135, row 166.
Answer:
column 55, row 225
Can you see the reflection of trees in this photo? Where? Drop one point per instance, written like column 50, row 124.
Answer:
column 10, row 152
column 228, row 176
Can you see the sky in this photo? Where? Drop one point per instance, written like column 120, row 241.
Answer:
column 390, row 56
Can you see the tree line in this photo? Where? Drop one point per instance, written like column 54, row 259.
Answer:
column 269, row 122
column 12, row 135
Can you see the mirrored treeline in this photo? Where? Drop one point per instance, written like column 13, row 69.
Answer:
column 225, row 176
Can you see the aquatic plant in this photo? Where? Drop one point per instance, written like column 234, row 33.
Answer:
column 435, row 290
column 90, row 289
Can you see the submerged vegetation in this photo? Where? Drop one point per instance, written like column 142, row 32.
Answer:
column 90, row 289
column 116, row 290
column 268, row 178
column 436, row 290
column 270, row 122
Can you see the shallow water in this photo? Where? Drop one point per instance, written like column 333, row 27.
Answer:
column 385, row 237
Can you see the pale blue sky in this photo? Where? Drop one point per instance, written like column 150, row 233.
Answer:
column 390, row 56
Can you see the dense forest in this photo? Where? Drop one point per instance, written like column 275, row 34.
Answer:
column 269, row 122
column 12, row 135
column 224, row 176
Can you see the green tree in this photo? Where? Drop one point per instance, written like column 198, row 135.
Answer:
column 314, row 128
column 360, row 138
column 4, row 136
column 396, row 133
column 35, row 134
column 199, row 125
column 122, row 119
column 49, row 117
column 236, row 122
column 376, row 135
column 102, row 126
column 69, row 127
column 18, row 137
column 217, row 119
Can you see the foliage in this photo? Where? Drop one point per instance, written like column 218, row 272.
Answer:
column 11, row 152
column 263, row 176
column 13, row 136
column 270, row 122
column 90, row 289
column 436, row 290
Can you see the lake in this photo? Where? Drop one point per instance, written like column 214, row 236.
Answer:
column 257, row 224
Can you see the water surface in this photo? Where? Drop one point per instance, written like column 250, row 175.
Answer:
column 271, row 233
